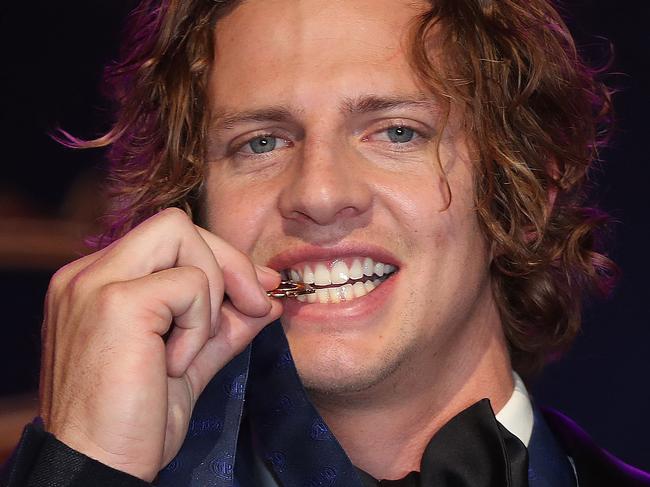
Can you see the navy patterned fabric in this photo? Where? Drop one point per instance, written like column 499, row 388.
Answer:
column 207, row 457
column 287, row 432
column 292, row 438
column 261, row 393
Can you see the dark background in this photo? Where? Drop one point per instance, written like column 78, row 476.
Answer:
column 52, row 55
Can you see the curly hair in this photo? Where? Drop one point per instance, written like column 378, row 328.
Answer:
column 537, row 115
column 535, row 112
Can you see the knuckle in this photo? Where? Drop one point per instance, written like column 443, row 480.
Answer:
column 111, row 296
column 240, row 262
column 78, row 284
column 71, row 278
column 197, row 277
column 60, row 279
column 171, row 221
column 174, row 216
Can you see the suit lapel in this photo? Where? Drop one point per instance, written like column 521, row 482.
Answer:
column 548, row 464
column 594, row 466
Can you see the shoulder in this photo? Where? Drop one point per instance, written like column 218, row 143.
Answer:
column 594, row 466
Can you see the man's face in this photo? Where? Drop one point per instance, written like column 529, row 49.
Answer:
column 323, row 162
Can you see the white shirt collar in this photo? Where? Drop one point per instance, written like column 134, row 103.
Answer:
column 517, row 414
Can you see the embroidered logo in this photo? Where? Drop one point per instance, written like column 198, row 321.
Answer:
column 278, row 460
column 324, row 478
column 284, row 361
column 237, row 387
column 286, row 404
column 320, row 431
column 174, row 465
column 223, row 467
column 199, row 427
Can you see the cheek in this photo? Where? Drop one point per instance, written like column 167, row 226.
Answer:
column 418, row 203
column 433, row 199
column 237, row 214
column 441, row 221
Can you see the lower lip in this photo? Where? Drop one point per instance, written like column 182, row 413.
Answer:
column 356, row 308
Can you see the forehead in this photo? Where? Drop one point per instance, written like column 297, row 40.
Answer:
column 311, row 50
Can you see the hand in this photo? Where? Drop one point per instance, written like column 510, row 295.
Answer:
column 111, row 387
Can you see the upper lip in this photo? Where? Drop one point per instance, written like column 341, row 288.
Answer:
column 312, row 253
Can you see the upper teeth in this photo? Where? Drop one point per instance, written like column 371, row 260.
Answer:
column 339, row 272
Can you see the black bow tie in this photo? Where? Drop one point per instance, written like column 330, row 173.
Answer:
column 471, row 450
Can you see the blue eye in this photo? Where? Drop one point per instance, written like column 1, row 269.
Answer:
column 400, row 135
column 262, row 144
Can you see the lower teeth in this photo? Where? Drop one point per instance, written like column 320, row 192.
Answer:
column 346, row 292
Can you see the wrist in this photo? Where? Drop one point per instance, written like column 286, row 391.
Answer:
column 114, row 457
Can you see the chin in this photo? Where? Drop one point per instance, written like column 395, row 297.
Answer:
column 340, row 370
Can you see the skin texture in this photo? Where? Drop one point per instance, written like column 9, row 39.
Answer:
column 332, row 81
column 110, row 386
column 335, row 179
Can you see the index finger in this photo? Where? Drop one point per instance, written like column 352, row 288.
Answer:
column 167, row 239
column 238, row 274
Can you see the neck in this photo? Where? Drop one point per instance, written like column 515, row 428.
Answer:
column 384, row 431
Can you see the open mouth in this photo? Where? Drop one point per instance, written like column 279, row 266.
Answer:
column 340, row 280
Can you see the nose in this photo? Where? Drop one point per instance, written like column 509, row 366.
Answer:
column 325, row 186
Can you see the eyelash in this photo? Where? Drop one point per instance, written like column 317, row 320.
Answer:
column 419, row 136
column 237, row 149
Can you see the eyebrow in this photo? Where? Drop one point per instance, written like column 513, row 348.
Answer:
column 372, row 103
column 354, row 106
column 226, row 120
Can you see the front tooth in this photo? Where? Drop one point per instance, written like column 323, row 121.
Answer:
column 359, row 289
column 379, row 269
column 312, row 298
column 322, row 275
column 308, row 275
column 368, row 267
column 339, row 273
column 346, row 292
column 302, row 298
column 356, row 271
column 323, row 296
column 369, row 285
column 334, row 295
column 295, row 276
column 388, row 268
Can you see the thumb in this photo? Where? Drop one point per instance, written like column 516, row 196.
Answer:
column 269, row 278
column 236, row 330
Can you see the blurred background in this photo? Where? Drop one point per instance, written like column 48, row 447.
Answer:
column 52, row 55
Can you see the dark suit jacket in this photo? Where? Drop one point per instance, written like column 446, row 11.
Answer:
column 594, row 466
column 42, row 461
column 290, row 437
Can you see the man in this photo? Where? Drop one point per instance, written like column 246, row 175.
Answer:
column 421, row 164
